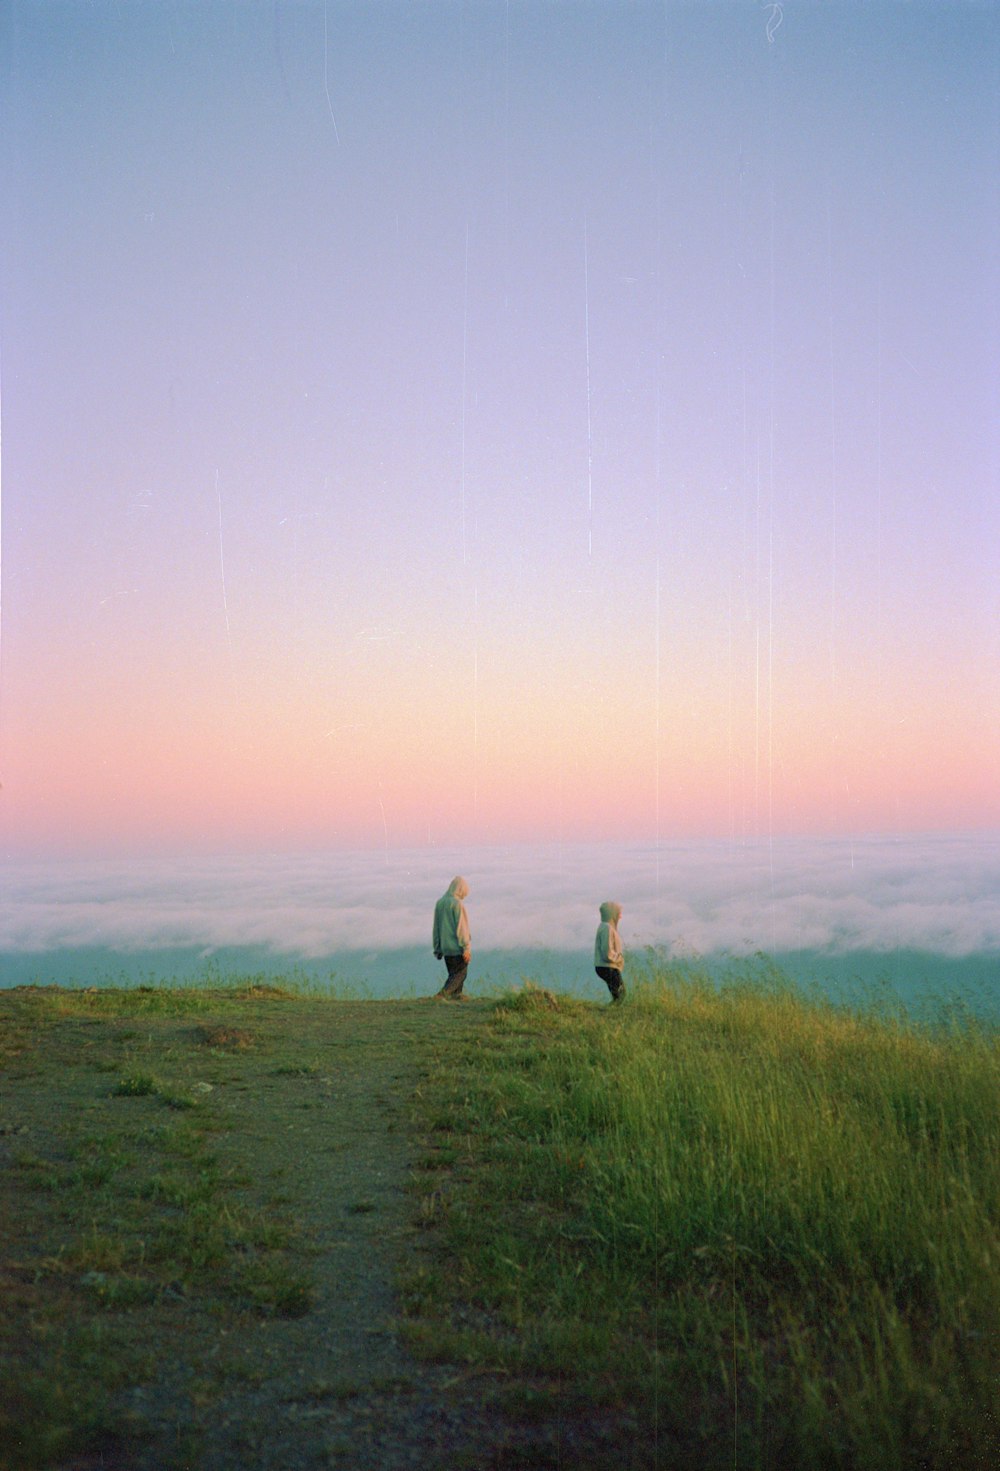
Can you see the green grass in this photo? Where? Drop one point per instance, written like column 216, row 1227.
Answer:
column 118, row 1210
column 762, row 1229
column 771, row 1223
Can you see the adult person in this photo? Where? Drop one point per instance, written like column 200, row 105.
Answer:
column 609, row 953
column 451, row 939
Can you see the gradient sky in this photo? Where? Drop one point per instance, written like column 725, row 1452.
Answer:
column 473, row 423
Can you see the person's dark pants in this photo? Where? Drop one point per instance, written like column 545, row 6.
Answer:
column 612, row 979
column 458, row 969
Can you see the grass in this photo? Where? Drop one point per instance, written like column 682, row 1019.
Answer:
column 756, row 1228
column 118, row 1208
column 770, row 1223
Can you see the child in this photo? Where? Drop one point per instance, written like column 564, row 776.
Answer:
column 609, row 957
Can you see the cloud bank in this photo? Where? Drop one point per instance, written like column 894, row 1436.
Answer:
column 940, row 895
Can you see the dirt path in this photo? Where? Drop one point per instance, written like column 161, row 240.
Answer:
column 335, row 1387
column 290, row 1123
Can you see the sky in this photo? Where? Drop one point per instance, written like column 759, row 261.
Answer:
column 452, row 425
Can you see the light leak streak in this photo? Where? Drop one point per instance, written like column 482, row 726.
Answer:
column 834, row 510
column 475, row 709
column 385, row 825
column 770, row 684
column 326, row 76
column 756, row 654
column 465, row 368
column 506, row 158
column 590, row 431
column 1, row 528
column 837, row 777
column 657, row 274
column 731, row 744
column 222, row 567
column 656, row 644
column 878, row 471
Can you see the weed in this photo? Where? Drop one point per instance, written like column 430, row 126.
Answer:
column 322, row 1390
column 135, row 1085
column 226, row 1038
column 275, row 1290
column 420, row 1288
column 119, row 1290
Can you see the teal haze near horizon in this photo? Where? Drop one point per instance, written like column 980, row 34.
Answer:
column 872, row 920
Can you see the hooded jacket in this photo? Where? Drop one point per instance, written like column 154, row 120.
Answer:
column 607, row 943
column 451, row 923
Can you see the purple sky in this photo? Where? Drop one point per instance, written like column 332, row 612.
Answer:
column 468, row 423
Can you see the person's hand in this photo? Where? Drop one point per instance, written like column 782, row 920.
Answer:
column 438, row 955
column 466, row 954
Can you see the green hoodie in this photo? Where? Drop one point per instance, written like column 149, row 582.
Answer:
column 451, row 923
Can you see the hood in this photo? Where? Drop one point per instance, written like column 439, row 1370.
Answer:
column 458, row 887
column 611, row 912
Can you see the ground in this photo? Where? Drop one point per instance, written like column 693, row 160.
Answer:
column 308, row 1106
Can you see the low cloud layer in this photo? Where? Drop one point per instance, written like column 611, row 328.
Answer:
column 938, row 894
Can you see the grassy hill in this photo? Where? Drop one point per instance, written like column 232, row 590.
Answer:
column 711, row 1226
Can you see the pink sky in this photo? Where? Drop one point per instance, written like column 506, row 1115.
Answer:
column 506, row 423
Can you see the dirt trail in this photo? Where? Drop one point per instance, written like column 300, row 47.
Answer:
column 335, row 1387
column 295, row 1125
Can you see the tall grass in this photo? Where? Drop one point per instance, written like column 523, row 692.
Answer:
column 776, row 1219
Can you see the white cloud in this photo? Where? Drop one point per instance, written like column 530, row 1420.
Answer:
column 936, row 894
